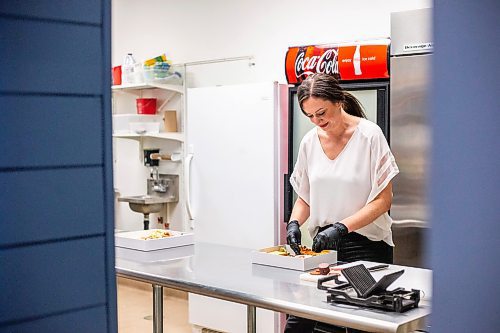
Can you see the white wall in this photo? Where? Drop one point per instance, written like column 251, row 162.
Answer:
column 194, row 30
column 198, row 30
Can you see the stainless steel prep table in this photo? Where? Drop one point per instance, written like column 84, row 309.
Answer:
column 227, row 273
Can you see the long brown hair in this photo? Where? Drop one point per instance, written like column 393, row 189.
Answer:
column 326, row 87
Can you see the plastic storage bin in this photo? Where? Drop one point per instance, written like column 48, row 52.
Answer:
column 122, row 123
column 144, row 127
column 162, row 73
column 158, row 71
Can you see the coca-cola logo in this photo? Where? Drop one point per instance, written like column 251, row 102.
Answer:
column 325, row 63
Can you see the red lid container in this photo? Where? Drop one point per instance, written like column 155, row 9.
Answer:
column 117, row 75
column 146, row 105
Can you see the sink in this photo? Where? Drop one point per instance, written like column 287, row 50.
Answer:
column 145, row 208
column 144, row 203
column 145, row 199
column 159, row 192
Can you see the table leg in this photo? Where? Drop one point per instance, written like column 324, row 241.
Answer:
column 157, row 309
column 251, row 319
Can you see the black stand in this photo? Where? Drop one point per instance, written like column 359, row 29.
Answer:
column 370, row 293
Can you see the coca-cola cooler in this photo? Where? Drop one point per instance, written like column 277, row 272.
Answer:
column 362, row 69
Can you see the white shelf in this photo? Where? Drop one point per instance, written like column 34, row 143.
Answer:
column 151, row 85
column 163, row 135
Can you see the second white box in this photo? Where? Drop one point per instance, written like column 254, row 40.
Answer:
column 300, row 263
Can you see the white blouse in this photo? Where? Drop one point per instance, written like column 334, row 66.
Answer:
column 336, row 189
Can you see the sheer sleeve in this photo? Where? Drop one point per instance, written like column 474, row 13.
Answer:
column 383, row 165
column 299, row 178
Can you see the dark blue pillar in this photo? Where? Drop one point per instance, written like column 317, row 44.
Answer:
column 56, row 192
column 465, row 175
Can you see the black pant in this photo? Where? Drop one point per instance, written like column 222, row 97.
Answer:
column 352, row 247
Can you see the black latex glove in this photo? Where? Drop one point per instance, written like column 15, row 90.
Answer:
column 293, row 236
column 328, row 238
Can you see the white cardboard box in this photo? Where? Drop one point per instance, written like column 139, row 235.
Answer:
column 299, row 263
column 133, row 240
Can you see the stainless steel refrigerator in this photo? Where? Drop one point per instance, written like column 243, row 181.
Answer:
column 411, row 49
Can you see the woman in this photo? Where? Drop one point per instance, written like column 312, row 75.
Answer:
column 343, row 180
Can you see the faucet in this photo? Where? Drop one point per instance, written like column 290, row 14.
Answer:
column 159, row 185
column 154, row 174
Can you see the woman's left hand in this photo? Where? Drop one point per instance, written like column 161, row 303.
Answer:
column 328, row 238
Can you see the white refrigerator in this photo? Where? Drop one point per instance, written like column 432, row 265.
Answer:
column 235, row 165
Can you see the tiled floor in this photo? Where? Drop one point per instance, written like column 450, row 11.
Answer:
column 135, row 303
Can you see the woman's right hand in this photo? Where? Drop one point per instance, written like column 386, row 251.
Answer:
column 293, row 236
column 329, row 238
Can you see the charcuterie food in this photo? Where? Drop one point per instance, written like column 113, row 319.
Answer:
column 157, row 234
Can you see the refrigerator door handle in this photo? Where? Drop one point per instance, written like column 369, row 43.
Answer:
column 189, row 157
column 410, row 223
